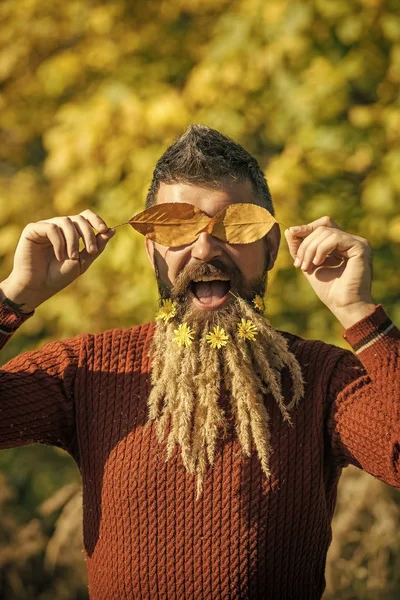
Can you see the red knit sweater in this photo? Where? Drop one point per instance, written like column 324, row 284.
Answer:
column 247, row 537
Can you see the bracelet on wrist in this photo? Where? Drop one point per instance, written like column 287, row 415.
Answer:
column 15, row 306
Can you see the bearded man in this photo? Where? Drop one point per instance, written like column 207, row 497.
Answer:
column 210, row 445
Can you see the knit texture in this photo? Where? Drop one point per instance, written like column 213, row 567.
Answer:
column 247, row 537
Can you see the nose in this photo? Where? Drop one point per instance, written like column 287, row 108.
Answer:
column 206, row 247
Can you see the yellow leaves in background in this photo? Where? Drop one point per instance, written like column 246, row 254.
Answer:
column 377, row 195
column 361, row 159
column 322, row 90
column 394, row 69
column 103, row 18
column 9, row 234
column 287, row 191
column 60, row 72
column 394, row 230
column 273, row 11
column 166, row 114
column 93, row 93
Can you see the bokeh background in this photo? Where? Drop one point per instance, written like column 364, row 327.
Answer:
column 91, row 93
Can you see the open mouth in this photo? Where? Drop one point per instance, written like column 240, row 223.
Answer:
column 210, row 292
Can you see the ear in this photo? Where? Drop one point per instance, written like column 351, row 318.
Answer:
column 149, row 245
column 273, row 241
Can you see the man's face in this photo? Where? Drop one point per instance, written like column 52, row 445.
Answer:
column 247, row 263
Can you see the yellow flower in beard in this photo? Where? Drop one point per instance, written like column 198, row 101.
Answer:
column 247, row 330
column 184, row 335
column 258, row 303
column 167, row 311
column 217, row 338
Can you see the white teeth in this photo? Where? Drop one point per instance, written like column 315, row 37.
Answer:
column 211, row 278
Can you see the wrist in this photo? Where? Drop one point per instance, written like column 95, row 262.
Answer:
column 16, row 299
column 351, row 314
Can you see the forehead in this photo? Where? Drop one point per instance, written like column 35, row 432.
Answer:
column 209, row 200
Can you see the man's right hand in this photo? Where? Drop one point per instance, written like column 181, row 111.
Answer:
column 47, row 257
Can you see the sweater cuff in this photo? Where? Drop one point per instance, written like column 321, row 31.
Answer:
column 10, row 320
column 372, row 333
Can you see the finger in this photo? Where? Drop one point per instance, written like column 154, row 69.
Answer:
column 327, row 241
column 87, row 259
column 86, row 233
column 298, row 245
column 305, row 230
column 309, row 244
column 95, row 221
column 293, row 243
column 326, row 248
column 41, row 231
column 71, row 235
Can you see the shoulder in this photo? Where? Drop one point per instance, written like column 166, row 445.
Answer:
column 119, row 339
column 301, row 345
column 318, row 355
column 326, row 368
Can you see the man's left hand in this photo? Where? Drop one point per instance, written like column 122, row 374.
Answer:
column 337, row 265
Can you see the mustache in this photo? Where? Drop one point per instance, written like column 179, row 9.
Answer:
column 215, row 268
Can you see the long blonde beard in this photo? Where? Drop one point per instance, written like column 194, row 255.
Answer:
column 187, row 381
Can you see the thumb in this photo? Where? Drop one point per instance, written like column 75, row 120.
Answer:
column 87, row 259
column 293, row 243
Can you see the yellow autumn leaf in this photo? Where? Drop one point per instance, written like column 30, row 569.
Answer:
column 171, row 223
column 241, row 223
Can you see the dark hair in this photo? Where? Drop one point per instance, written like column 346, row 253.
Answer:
column 202, row 155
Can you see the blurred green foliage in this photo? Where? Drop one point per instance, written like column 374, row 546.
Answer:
column 91, row 93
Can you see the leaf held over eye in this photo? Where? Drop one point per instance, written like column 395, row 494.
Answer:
column 171, row 223
column 241, row 223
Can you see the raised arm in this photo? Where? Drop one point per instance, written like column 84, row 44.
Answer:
column 364, row 392
column 364, row 399
column 37, row 388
